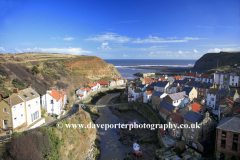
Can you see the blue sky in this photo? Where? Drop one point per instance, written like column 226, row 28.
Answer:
column 118, row 29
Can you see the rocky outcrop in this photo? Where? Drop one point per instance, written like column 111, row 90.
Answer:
column 214, row 60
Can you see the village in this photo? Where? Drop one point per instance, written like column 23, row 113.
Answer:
column 210, row 100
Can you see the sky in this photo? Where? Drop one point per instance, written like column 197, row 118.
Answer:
column 121, row 29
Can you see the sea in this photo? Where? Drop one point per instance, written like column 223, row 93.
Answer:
column 122, row 65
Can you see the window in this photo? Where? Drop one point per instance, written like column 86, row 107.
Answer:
column 14, row 108
column 235, row 137
column 170, row 119
column 51, row 102
column 169, row 112
column 29, row 106
column 37, row 102
column 21, row 105
column 32, row 94
column 223, row 143
column 22, row 116
column 183, row 138
column 192, row 130
column 15, row 118
column 224, row 134
column 202, row 89
column 5, row 110
column 212, row 99
column 25, row 96
column 191, row 137
column 162, row 108
column 234, row 146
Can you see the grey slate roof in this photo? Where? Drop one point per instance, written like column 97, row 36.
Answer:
column 233, row 74
column 177, row 96
column 167, row 106
column 213, row 91
column 157, row 94
column 187, row 90
column 193, row 117
column 184, row 81
column 162, row 83
column 231, row 93
column 230, row 124
column 205, row 85
column 153, row 84
column 222, row 92
column 194, row 84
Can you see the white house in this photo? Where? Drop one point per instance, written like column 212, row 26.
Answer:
column 147, row 96
column 142, row 87
column 18, row 110
column 172, row 88
column 212, row 98
column 208, row 78
column 134, row 94
column 32, row 104
column 121, row 81
column 81, row 93
column 161, row 86
column 53, row 102
column 94, row 87
column 179, row 99
column 222, row 78
column 234, row 79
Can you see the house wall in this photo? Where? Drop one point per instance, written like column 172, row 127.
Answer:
column 18, row 114
column 193, row 94
column 79, row 91
column 4, row 116
column 164, row 112
column 211, row 100
column 234, row 81
column 54, row 108
column 33, row 108
column 229, row 142
column 155, row 101
column 174, row 132
column 202, row 92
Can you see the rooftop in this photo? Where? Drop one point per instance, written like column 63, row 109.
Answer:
column 230, row 124
column 157, row 94
column 176, row 117
column 193, row 117
column 177, row 96
column 187, row 90
column 196, row 107
column 167, row 106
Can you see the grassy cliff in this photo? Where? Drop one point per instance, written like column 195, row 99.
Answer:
column 214, row 60
column 42, row 70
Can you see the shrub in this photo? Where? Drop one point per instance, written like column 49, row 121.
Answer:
column 178, row 150
column 15, row 135
column 35, row 70
column 17, row 83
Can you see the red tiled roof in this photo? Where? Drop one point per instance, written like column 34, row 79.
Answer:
column 88, row 89
column 176, row 117
column 196, row 107
column 54, row 94
column 81, row 95
column 226, row 102
column 190, row 74
column 62, row 92
column 155, row 80
column 83, row 89
column 148, row 80
column 103, row 82
column 236, row 109
column 162, row 79
column 207, row 76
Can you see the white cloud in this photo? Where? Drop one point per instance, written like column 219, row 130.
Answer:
column 109, row 37
column 68, row 38
column 124, row 55
column 2, row 49
column 104, row 46
column 180, row 52
column 70, row 50
column 195, row 51
column 155, row 39
column 217, row 50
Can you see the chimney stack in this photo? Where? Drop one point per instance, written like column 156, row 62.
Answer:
column 15, row 90
column 29, row 85
column 190, row 71
column 0, row 97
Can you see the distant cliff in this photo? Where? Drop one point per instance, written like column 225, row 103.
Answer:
column 42, row 70
column 214, row 60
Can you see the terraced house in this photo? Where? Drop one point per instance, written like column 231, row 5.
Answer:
column 14, row 118
column 179, row 99
column 227, row 145
column 197, row 137
column 165, row 110
column 157, row 98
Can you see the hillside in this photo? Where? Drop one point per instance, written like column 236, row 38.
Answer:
column 42, row 70
column 214, row 60
column 56, row 143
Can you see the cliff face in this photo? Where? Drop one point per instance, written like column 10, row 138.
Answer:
column 214, row 60
column 42, row 70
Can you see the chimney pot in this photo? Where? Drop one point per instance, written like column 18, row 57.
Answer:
column 190, row 71
column 15, row 90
